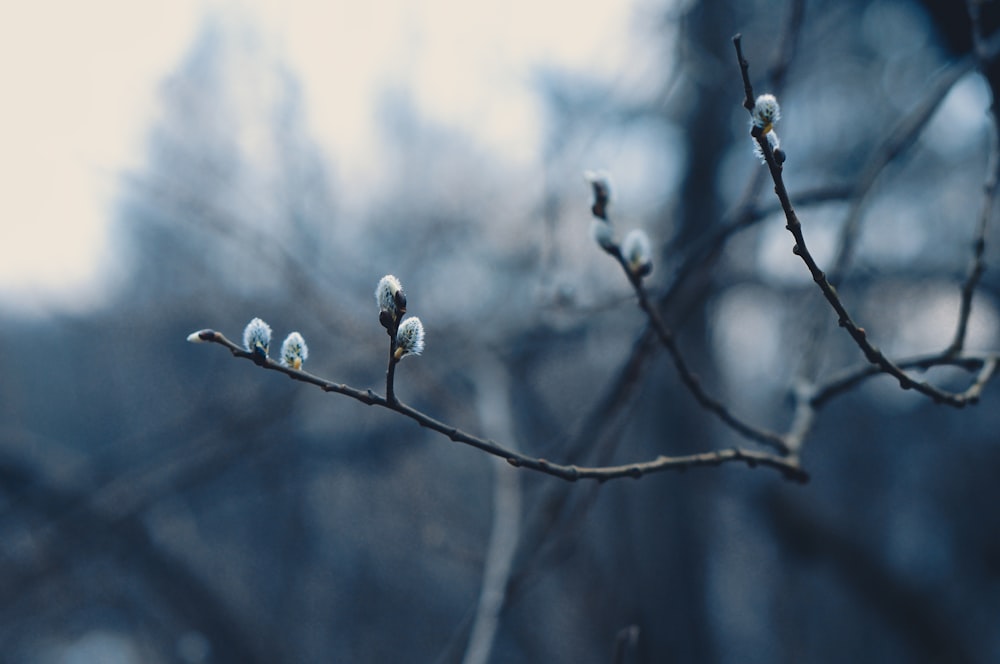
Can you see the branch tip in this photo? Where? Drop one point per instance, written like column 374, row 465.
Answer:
column 201, row 336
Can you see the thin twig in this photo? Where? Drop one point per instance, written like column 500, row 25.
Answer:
column 690, row 380
column 790, row 468
column 794, row 226
column 983, row 363
column 976, row 265
column 495, row 412
column 666, row 337
column 390, row 371
column 899, row 140
column 789, row 44
column 809, row 398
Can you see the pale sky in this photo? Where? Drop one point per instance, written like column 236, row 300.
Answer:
column 80, row 83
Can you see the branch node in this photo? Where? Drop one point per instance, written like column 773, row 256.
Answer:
column 259, row 357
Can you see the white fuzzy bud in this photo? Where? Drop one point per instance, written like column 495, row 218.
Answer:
column 294, row 351
column 391, row 299
column 766, row 112
column 410, row 338
column 773, row 141
column 603, row 234
column 638, row 253
column 257, row 337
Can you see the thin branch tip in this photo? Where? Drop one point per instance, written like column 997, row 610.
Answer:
column 201, row 336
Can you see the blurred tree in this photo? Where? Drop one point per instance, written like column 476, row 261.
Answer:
column 164, row 504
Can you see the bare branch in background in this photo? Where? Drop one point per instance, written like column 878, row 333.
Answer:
column 496, row 413
column 900, row 139
column 988, row 206
column 625, row 640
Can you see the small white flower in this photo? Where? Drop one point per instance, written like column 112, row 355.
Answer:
column 390, row 296
column 766, row 112
column 410, row 338
column 638, row 252
column 294, row 351
column 257, row 337
column 603, row 234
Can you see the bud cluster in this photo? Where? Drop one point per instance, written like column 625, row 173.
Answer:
column 407, row 335
column 257, row 341
column 635, row 250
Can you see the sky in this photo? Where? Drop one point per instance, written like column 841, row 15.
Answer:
column 81, row 79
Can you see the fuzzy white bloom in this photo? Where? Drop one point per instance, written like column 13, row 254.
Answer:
column 603, row 234
column 637, row 251
column 410, row 338
column 772, row 139
column 766, row 112
column 294, row 351
column 257, row 337
column 389, row 295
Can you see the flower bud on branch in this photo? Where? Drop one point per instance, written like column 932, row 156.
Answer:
column 766, row 112
column 257, row 339
column 775, row 143
column 603, row 234
column 391, row 301
column 600, row 226
column 410, row 338
column 637, row 252
column 294, row 351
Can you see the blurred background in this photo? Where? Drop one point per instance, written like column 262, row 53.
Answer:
column 196, row 164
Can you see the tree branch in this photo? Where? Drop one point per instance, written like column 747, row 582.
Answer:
column 905, row 134
column 690, row 380
column 794, row 226
column 789, row 468
column 976, row 265
column 496, row 412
